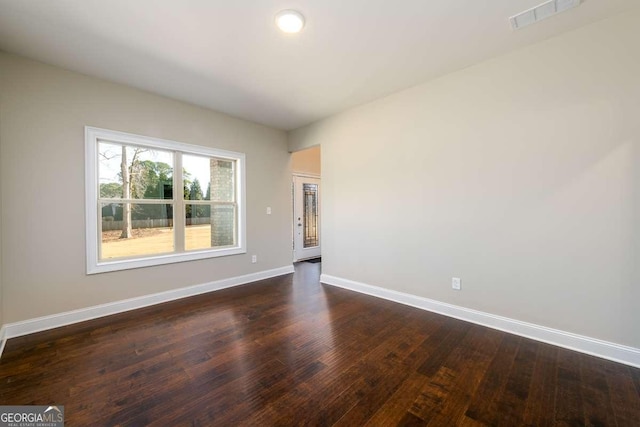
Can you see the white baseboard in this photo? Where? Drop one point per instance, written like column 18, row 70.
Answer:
column 3, row 341
column 25, row 327
column 606, row 350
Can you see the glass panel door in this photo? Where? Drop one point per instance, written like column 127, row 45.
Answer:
column 306, row 221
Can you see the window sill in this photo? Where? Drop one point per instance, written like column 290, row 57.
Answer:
column 127, row 264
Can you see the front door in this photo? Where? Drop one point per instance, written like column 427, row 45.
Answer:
column 306, row 219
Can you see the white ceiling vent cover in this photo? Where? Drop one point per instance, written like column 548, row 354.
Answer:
column 540, row 12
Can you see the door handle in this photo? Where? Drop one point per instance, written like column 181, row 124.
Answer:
column 299, row 224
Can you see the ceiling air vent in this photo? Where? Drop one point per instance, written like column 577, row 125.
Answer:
column 540, row 12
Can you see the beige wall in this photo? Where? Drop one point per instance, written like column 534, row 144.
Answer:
column 521, row 175
column 1, row 262
column 306, row 161
column 44, row 110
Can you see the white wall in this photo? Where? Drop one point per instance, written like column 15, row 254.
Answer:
column 521, row 175
column 1, row 262
column 43, row 111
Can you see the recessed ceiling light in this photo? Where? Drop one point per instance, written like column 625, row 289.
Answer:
column 290, row 21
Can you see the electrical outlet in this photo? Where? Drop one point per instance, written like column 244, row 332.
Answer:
column 456, row 283
column 254, row 259
column 269, row 210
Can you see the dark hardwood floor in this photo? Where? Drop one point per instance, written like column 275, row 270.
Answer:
column 290, row 351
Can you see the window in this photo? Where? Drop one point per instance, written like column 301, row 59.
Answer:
column 151, row 201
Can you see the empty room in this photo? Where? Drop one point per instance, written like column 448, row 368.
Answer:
column 223, row 213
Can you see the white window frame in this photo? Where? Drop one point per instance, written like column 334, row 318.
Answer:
column 93, row 218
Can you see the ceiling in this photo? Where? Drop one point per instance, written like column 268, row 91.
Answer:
column 229, row 56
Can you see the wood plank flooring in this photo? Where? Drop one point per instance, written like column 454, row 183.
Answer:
column 290, row 351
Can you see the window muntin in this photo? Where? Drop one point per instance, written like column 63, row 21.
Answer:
column 136, row 219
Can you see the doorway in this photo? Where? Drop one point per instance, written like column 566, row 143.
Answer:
column 307, row 201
